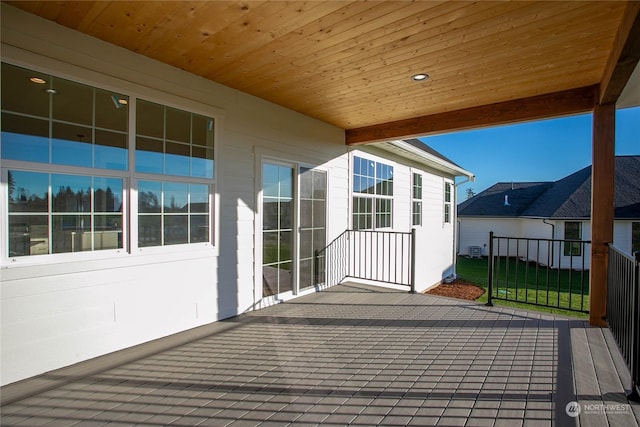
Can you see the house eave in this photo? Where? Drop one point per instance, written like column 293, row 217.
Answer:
column 406, row 150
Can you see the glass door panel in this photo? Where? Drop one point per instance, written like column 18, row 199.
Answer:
column 313, row 195
column 277, row 229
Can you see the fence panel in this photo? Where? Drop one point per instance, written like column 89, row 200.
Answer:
column 623, row 310
column 545, row 272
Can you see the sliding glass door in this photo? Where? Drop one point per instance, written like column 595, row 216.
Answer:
column 289, row 239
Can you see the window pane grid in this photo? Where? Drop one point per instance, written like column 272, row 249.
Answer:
column 161, row 149
column 417, row 213
column 73, row 113
column 56, row 213
column 372, row 181
column 572, row 231
column 448, row 205
column 172, row 213
column 77, row 138
column 416, row 209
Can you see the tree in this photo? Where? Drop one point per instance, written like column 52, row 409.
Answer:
column 12, row 186
column 470, row 193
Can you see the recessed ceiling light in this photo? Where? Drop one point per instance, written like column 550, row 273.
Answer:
column 37, row 80
column 419, row 77
column 122, row 101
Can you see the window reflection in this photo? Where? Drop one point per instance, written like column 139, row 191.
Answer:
column 76, row 127
column 25, row 138
column 175, row 229
column 199, row 198
column 72, row 102
column 149, row 157
column 199, row 228
column 277, row 236
column 110, row 150
column 62, row 122
column 107, row 193
column 71, row 193
column 149, row 230
column 69, row 223
column 28, row 235
column 171, row 213
column 173, row 142
column 71, row 233
column 149, row 196
column 28, row 191
column 175, row 197
column 20, row 95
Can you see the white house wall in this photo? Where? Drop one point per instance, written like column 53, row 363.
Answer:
column 434, row 238
column 622, row 235
column 54, row 315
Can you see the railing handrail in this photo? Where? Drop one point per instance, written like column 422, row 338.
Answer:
column 362, row 261
column 542, row 239
column 623, row 304
column 630, row 257
column 333, row 241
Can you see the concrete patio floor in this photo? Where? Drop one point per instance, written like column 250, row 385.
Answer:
column 351, row 355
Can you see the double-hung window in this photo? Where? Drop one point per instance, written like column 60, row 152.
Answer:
column 416, row 210
column 372, row 194
column 174, row 164
column 572, row 231
column 448, row 205
column 77, row 179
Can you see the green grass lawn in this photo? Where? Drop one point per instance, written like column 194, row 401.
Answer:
column 525, row 284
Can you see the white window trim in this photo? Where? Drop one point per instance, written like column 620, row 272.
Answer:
column 421, row 200
column 35, row 62
column 450, row 203
column 373, row 197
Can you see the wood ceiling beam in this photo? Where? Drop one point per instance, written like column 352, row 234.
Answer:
column 573, row 101
column 624, row 55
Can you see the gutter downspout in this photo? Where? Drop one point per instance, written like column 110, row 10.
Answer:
column 456, row 223
column 553, row 235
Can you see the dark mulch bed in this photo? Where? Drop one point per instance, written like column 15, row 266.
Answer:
column 459, row 289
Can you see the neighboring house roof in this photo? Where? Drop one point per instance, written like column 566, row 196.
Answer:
column 569, row 197
column 504, row 199
column 418, row 151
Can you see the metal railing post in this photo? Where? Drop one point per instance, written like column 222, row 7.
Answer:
column 316, row 267
column 413, row 261
column 635, row 334
column 490, row 271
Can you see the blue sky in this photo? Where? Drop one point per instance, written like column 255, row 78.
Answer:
column 545, row 150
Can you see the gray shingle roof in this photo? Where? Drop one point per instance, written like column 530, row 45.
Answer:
column 569, row 197
column 424, row 147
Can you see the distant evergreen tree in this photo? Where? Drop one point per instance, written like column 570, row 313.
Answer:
column 470, row 193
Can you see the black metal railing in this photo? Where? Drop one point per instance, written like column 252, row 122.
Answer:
column 381, row 256
column 544, row 272
column 623, row 310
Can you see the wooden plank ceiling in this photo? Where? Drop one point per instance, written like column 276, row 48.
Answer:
column 349, row 63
